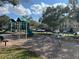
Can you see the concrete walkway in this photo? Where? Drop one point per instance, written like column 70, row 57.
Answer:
column 46, row 46
column 51, row 48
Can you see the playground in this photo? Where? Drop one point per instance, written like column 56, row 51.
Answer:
column 39, row 29
column 17, row 29
column 12, row 38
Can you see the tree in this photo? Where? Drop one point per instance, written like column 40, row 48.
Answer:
column 4, row 21
column 33, row 24
column 14, row 2
column 53, row 16
column 76, row 14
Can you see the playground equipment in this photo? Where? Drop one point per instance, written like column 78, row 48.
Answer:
column 18, row 29
column 29, row 31
column 20, row 25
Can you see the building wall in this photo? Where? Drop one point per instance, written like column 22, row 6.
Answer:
column 68, row 25
column 76, row 26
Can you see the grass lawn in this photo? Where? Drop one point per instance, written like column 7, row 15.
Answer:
column 43, row 33
column 70, row 35
column 17, row 53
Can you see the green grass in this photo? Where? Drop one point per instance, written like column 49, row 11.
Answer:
column 17, row 53
column 43, row 33
column 70, row 35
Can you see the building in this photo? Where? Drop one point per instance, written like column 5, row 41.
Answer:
column 75, row 26
column 67, row 25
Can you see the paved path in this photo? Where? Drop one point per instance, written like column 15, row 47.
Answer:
column 46, row 46
column 50, row 48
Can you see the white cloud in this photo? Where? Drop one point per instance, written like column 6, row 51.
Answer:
column 60, row 4
column 36, row 9
column 3, row 10
column 39, row 8
column 18, row 10
column 21, row 10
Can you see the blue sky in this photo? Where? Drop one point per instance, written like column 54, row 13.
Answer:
column 30, row 6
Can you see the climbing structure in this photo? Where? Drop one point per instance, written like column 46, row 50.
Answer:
column 20, row 25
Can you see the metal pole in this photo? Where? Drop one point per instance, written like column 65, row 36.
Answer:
column 19, row 30
column 11, row 27
column 26, row 30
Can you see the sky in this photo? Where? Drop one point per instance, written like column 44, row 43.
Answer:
column 31, row 8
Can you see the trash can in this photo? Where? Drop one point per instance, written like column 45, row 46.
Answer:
column 1, row 38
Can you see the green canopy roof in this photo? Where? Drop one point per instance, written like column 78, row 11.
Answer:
column 12, row 20
column 24, row 20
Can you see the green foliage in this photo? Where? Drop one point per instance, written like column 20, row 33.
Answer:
column 4, row 21
column 33, row 24
column 54, row 16
column 14, row 2
column 43, row 26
